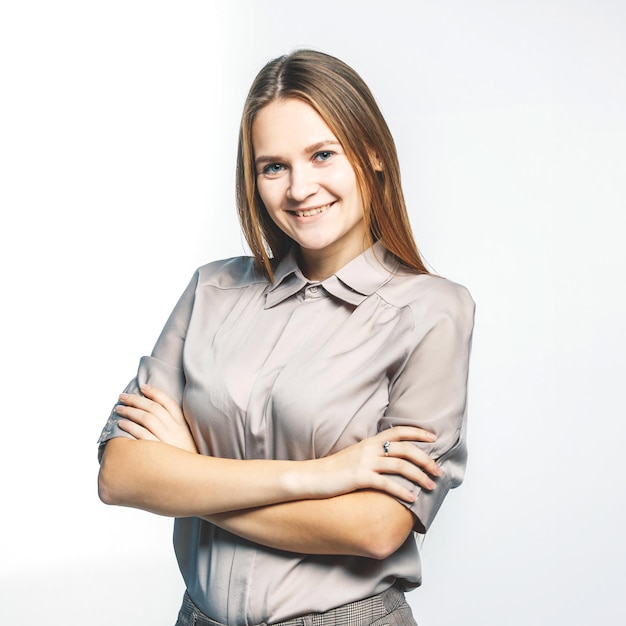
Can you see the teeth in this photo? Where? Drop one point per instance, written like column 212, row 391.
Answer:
column 311, row 211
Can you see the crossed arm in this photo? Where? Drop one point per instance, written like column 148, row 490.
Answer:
column 342, row 504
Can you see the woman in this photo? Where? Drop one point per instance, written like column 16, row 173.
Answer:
column 302, row 412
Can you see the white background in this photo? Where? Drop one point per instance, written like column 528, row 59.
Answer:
column 118, row 126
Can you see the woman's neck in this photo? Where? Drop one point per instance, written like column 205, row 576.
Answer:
column 318, row 265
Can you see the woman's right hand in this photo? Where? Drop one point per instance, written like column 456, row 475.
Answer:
column 365, row 465
column 155, row 416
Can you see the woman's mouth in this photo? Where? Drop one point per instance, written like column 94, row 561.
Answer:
column 310, row 212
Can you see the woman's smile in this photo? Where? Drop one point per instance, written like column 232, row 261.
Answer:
column 311, row 212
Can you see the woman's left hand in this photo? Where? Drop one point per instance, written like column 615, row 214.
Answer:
column 155, row 417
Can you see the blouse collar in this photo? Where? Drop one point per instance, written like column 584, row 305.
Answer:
column 354, row 282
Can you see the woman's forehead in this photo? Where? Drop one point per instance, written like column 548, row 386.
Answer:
column 289, row 125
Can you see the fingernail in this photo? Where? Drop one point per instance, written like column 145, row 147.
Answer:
column 123, row 396
column 145, row 387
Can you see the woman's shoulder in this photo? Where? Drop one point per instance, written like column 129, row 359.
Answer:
column 233, row 273
column 427, row 292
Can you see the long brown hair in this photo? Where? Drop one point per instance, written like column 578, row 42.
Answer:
column 345, row 103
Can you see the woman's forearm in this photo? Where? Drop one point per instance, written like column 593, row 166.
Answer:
column 364, row 523
column 263, row 501
column 169, row 481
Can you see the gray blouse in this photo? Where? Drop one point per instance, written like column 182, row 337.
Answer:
column 297, row 369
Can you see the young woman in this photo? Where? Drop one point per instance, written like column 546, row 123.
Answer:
column 302, row 413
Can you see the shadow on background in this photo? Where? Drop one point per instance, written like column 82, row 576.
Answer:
column 98, row 594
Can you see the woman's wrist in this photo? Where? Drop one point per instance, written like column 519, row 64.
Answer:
column 303, row 481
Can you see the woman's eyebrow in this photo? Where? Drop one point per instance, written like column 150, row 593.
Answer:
column 312, row 148
column 321, row 144
column 266, row 159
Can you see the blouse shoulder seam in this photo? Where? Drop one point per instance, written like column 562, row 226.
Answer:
column 449, row 294
column 233, row 273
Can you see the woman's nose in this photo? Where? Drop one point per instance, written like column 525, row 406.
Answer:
column 302, row 184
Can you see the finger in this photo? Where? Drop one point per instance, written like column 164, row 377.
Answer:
column 386, row 485
column 410, row 452
column 146, row 405
column 137, row 431
column 141, row 402
column 408, row 470
column 160, row 397
column 407, row 433
column 143, row 418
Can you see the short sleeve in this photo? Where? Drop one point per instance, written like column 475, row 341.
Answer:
column 164, row 367
column 430, row 389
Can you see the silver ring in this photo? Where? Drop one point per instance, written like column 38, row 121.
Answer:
column 386, row 447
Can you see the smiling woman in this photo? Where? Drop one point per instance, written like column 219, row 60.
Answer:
column 303, row 410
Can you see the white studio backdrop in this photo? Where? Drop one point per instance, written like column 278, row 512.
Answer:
column 118, row 128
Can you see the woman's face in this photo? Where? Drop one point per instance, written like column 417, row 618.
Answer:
column 308, row 185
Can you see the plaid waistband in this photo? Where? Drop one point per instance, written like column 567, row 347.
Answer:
column 359, row 613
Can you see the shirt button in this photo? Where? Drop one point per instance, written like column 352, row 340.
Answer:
column 314, row 289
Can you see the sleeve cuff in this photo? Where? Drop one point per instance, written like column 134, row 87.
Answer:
column 152, row 371
column 428, row 503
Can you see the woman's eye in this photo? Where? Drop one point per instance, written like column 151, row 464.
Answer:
column 273, row 168
column 324, row 155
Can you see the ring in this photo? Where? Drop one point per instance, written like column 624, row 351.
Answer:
column 386, row 447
